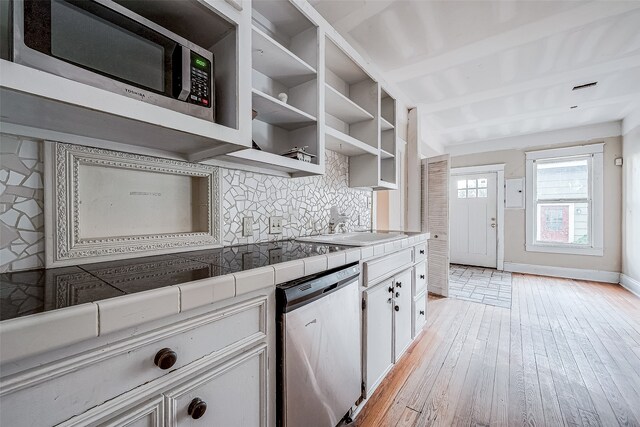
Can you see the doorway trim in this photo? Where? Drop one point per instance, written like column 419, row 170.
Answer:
column 497, row 168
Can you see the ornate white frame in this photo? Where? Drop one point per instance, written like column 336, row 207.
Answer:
column 63, row 244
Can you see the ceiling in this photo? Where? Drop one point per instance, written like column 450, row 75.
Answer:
column 483, row 70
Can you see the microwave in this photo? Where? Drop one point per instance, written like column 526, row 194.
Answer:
column 103, row 44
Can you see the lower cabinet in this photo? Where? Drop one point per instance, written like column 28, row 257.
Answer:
column 231, row 394
column 387, row 319
column 378, row 324
column 419, row 314
column 402, row 313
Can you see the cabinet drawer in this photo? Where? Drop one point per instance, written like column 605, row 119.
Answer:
column 420, row 278
column 89, row 379
column 420, row 252
column 230, row 394
column 419, row 313
column 382, row 266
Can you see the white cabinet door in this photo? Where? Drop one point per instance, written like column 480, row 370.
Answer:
column 230, row 394
column 378, row 322
column 402, row 312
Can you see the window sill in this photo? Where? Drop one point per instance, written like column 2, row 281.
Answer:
column 565, row 250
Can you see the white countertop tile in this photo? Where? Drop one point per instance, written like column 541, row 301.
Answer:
column 25, row 336
column 287, row 271
column 315, row 264
column 254, row 279
column 206, row 291
column 131, row 310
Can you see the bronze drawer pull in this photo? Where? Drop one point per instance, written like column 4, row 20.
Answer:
column 165, row 358
column 197, row 408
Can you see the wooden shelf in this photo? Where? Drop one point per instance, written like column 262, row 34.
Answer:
column 343, row 108
column 386, row 155
column 275, row 112
column 344, row 144
column 274, row 161
column 277, row 62
column 385, row 125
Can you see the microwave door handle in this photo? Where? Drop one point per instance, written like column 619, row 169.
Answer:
column 185, row 74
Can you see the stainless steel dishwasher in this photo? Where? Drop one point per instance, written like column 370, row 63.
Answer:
column 319, row 366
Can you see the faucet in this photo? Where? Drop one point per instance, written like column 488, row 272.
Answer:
column 337, row 220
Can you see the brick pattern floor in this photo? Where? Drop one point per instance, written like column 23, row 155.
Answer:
column 479, row 284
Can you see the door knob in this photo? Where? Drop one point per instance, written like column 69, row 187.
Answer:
column 396, row 308
column 493, row 225
column 397, row 294
column 197, row 408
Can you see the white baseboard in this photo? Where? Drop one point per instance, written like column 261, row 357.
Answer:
column 567, row 273
column 630, row 284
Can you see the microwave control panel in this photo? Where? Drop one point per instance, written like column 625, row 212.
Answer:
column 200, row 80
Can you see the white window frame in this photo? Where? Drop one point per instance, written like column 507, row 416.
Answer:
column 596, row 190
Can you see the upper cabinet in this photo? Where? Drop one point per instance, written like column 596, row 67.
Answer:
column 129, row 72
column 360, row 121
column 264, row 85
column 285, row 91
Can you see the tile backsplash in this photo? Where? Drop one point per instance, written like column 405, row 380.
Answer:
column 303, row 203
column 21, row 204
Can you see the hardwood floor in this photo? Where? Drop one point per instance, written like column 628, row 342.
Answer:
column 566, row 353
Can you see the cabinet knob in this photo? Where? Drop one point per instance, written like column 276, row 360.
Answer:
column 165, row 358
column 391, row 289
column 197, row 408
column 422, row 250
column 436, row 236
column 397, row 294
column 396, row 308
column 422, row 276
column 422, row 312
column 399, row 284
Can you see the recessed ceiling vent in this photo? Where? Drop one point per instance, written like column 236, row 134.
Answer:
column 584, row 86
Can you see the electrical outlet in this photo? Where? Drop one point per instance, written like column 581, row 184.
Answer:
column 247, row 226
column 275, row 225
column 275, row 256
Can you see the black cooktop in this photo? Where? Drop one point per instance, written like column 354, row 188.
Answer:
column 35, row 291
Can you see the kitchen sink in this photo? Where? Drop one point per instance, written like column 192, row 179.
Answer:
column 354, row 239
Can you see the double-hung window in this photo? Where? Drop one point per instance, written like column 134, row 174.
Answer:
column 565, row 200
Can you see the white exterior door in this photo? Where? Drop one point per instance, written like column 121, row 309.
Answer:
column 474, row 223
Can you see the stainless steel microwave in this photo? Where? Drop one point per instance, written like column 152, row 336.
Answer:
column 103, row 44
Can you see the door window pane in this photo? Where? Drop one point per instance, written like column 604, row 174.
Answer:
column 563, row 223
column 471, row 193
column 462, row 194
column 471, row 183
column 482, row 183
column 564, row 179
column 482, row 192
column 462, row 183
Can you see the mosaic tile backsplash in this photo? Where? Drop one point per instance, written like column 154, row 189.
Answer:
column 303, row 203
column 21, row 204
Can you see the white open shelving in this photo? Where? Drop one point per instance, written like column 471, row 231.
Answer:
column 277, row 62
column 275, row 112
column 385, row 124
column 342, row 108
column 344, row 144
column 284, row 52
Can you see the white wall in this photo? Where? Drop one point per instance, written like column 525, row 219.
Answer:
column 631, row 204
column 514, row 220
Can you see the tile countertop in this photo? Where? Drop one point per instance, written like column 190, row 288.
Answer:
column 133, row 291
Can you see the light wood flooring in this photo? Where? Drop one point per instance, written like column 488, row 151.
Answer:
column 566, row 353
